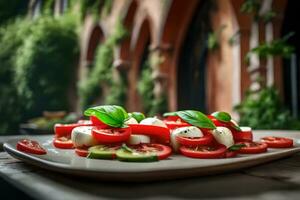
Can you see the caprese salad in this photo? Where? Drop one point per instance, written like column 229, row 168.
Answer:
column 112, row 133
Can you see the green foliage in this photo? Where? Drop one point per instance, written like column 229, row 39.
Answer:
column 278, row 47
column 250, row 6
column 213, row 38
column 45, row 64
column 11, row 38
column 268, row 16
column 264, row 110
column 117, row 93
column 95, row 7
column 101, row 72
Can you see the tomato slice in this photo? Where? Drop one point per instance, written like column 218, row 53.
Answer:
column 144, row 153
column 81, row 152
column 231, row 154
column 63, row 143
column 253, row 147
column 97, row 122
column 278, row 142
column 243, row 136
column 65, row 130
column 229, row 125
column 30, row 146
column 111, row 135
column 172, row 118
column 187, row 141
column 161, row 134
column 206, row 152
column 175, row 124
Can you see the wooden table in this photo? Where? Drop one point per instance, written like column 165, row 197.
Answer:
column 276, row 180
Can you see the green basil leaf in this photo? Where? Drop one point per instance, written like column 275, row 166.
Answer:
column 236, row 147
column 167, row 114
column 126, row 148
column 111, row 115
column 222, row 116
column 137, row 115
column 196, row 118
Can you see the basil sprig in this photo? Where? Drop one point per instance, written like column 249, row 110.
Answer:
column 167, row 114
column 112, row 115
column 222, row 116
column 236, row 147
column 196, row 118
column 137, row 115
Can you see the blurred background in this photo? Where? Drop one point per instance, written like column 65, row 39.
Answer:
column 58, row 57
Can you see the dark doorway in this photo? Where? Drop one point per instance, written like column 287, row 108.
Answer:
column 192, row 62
column 291, row 75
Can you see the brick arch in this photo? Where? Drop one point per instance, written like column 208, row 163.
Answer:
column 123, row 52
column 176, row 24
column 138, row 48
column 95, row 38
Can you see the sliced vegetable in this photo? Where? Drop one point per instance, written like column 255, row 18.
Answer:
column 188, row 141
column 231, row 154
column 232, row 125
column 97, row 122
column 175, row 124
column 30, row 146
column 161, row 134
column 278, row 142
column 82, row 152
column 103, row 151
column 112, row 135
column 253, row 147
column 65, row 130
column 207, row 152
column 144, row 153
column 196, row 118
column 63, row 143
column 245, row 135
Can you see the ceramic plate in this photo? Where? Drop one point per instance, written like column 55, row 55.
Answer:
column 177, row 166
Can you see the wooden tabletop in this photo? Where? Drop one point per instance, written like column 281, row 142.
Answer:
column 276, row 180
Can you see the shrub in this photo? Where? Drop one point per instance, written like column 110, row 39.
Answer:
column 264, row 110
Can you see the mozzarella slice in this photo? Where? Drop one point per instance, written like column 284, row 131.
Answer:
column 246, row 129
column 189, row 131
column 223, row 136
column 138, row 139
column 82, row 136
column 153, row 121
column 131, row 120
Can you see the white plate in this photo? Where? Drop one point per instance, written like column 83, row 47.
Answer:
column 177, row 166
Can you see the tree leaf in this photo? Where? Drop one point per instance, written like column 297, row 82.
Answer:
column 111, row 115
column 196, row 118
column 222, row 116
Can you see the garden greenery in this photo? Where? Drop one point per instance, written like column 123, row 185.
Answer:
column 101, row 71
column 264, row 110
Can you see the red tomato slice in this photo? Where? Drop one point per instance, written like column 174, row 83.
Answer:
column 231, row 154
column 162, row 134
column 172, row 118
column 278, row 142
column 30, row 146
column 207, row 152
column 175, row 124
column 63, row 143
column 65, row 130
column 161, row 151
column 97, row 122
column 243, row 136
column 253, row 147
column 111, row 135
column 81, row 152
column 228, row 125
column 187, row 141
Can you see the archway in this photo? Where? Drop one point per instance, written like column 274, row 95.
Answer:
column 140, row 50
column 96, row 37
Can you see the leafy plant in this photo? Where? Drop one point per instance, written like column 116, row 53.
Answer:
column 101, row 72
column 250, row 6
column 264, row 110
column 278, row 47
column 49, row 53
column 11, row 9
column 213, row 38
column 95, row 7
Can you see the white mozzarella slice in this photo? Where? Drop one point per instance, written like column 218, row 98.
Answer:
column 138, row 139
column 246, row 129
column 82, row 136
column 189, row 131
column 223, row 136
column 153, row 121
